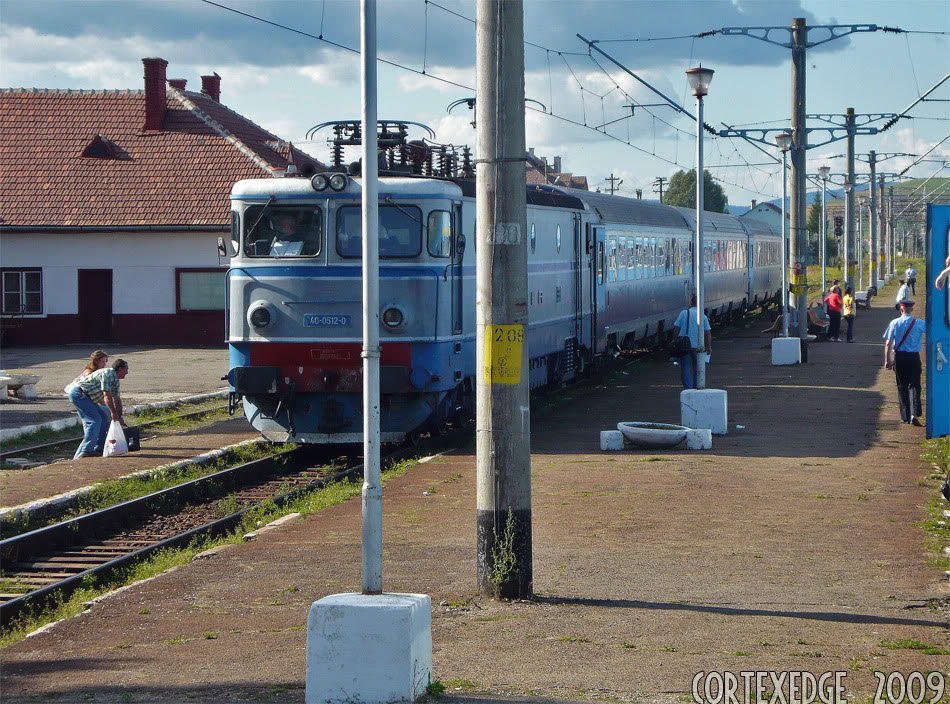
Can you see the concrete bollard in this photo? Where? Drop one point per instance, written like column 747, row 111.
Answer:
column 705, row 408
column 786, row 350
column 369, row 648
column 27, row 392
column 611, row 440
column 699, row 439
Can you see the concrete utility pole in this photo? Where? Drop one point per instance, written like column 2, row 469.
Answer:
column 877, row 280
column 797, row 240
column 849, row 202
column 612, row 179
column 372, row 495
column 658, row 182
column 503, row 428
column 885, row 234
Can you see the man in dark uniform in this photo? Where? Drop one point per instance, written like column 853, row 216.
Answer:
column 903, row 337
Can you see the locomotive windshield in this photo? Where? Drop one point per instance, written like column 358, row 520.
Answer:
column 400, row 231
column 283, row 231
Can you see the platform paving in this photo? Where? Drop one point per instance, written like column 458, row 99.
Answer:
column 794, row 544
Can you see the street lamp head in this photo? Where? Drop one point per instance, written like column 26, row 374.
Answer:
column 823, row 172
column 784, row 140
column 699, row 80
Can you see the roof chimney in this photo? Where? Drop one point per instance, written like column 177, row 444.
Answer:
column 753, row 203
column 178, row 83
column 557, row 164
column 211, row 86
column 155, row 98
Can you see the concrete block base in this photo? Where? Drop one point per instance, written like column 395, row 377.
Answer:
column 705, row 409
column 880, row 284
column 27, row 392
column 611, row 440
column 699, row 439
column 369, row 648
column 3, row 393
column 786, row 350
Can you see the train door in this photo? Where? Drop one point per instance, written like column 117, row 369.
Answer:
column 458, row 252
column 576, row 270
column 598, row 338
column 938, row 323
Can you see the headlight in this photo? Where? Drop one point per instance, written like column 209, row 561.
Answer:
column 393, row 318
column 338, row 182
column 320, row 182
column 260, row 314
column 260, row 318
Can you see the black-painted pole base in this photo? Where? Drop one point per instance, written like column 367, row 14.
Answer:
column 503, row 547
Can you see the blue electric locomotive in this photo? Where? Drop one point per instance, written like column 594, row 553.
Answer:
column 605, row 273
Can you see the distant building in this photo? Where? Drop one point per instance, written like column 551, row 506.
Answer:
column 538, row 171
column 112, row 204
column 767, row 213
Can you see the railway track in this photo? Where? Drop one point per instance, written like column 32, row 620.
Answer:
column 58, row 558
column 68, row 441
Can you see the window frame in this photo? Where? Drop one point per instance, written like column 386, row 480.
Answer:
column 397, row 207
column 200, row 270
column 274, row 211
column 22, row 271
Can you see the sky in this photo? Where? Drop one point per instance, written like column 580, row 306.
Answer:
column 288, row 82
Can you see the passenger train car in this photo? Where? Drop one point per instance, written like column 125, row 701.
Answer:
column 605, row 273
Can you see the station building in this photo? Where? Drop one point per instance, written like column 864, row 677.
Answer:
column 111, row 206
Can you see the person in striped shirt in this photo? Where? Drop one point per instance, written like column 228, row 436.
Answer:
column 102, row 387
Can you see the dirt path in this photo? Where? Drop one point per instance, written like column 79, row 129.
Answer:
column 795, row 544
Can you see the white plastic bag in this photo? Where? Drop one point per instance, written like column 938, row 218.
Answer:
column 115, row 441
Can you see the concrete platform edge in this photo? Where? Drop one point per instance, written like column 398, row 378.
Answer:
column 63, row 423
column 41, row 508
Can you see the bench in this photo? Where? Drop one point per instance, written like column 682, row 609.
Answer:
column 818, row 321
column 23, row 386
column 862, row 299
column 776, row 328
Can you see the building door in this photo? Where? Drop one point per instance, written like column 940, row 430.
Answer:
column 95, row 305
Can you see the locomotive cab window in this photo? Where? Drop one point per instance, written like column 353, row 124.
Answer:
column 400, row 231
column 283, row 231
column 439, row 233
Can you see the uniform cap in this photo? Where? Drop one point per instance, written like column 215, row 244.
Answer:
column 907, row 302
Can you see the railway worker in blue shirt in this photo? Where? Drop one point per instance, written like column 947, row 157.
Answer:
column 903, row 337
column 686, row 322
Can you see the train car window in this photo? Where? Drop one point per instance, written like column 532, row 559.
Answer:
column 631, row 259
column 622, row 259
column 558, row 239
column 400, row 231
column 612, row 260
column 638, row 258
column 235, row 232
column 283, row 231
column 440, row 233
column 653, row 259
column 534, row 238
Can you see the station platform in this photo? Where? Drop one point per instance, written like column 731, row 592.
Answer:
column 794, row 544
column 155, row 374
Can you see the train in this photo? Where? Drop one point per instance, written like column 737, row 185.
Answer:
column 606, row 273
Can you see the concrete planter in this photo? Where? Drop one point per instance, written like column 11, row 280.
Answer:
column 653, row 436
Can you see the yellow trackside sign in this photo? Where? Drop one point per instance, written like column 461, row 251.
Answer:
column 503, row 345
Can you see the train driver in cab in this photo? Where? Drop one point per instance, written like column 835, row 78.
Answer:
column 286, row 242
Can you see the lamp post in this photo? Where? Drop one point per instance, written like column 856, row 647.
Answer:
column 784, row 142
column 699, row 79
column 823, row 173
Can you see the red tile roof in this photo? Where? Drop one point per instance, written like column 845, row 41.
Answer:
column 178, row 175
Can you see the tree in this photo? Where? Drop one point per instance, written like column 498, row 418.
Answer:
column 682, row 192
column 814, row 236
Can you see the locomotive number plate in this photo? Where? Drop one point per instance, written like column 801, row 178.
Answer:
column 327, row 320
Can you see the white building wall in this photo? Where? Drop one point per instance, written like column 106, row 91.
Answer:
column 143, row 264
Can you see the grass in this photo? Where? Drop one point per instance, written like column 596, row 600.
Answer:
column 163, row 560
column 924, row 648
column 116, row 491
